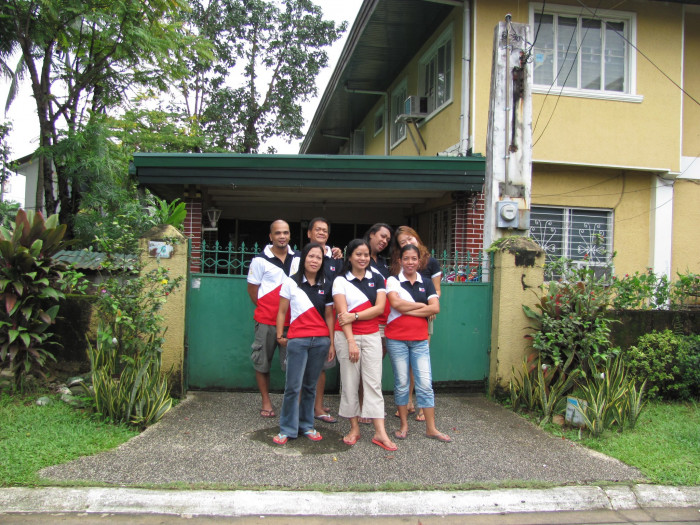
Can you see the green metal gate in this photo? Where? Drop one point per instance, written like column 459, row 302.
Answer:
column 220, row 325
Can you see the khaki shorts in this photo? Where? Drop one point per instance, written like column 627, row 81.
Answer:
column 264, row 347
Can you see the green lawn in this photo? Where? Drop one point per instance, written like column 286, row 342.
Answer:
column 665, row 444
column 33, row 437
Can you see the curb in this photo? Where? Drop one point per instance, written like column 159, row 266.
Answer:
column 299, row 503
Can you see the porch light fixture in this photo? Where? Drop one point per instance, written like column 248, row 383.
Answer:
column 213, row 214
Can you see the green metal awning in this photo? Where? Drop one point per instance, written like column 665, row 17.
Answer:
column 252, row 185
column 312, row 171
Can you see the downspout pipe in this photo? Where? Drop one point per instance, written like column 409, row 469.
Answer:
column 386, row 111
column 465, row 125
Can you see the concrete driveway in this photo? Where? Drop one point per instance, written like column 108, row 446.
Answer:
column 220, row 439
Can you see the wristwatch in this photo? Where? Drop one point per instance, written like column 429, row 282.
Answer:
column 357, row 316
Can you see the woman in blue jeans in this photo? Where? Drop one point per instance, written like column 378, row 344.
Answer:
column 413, row 299
column 308, row 294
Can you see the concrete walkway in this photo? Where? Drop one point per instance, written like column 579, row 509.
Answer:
column 218, row 442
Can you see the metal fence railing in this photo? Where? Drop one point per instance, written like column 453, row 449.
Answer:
column 217, row 259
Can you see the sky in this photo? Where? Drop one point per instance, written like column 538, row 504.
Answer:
column 25, row 130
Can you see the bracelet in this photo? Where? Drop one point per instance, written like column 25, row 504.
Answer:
column 280, row 337
column 357, row 316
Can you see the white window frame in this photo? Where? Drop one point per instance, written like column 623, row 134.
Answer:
column 630, row 79
column 378, row 115
column 444, row 40
column 398, row 98
column 567, row 212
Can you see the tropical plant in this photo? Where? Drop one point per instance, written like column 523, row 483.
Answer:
column 570, row 322
column 541, row 387
column 82, row 58
column 173, row 214
column 28, row 276
column 129, row 385
column 612, row 399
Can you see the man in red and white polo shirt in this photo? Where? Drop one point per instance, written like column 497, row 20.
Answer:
column 267, row 272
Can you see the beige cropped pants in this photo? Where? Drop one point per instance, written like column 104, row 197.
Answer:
column 367, row 370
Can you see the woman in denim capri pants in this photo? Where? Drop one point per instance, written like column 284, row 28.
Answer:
column 308, row 294
column 413, row 299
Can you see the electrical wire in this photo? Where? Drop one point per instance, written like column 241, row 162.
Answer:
column 573, row 63
column 594, row 15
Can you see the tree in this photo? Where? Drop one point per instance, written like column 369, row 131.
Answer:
column 5, row 152
column 82, row 57
column 267, row 54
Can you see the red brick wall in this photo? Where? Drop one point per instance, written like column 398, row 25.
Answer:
column 468, row 228
column 193, row 231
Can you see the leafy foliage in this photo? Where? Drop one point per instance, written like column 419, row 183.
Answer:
column 612, row 399
column 570, row 323
column 669, row 362
column 541, row 387
column 685, row 291
column 126, row 360
column 28, row 295
column 82, row 58
column 640, row 291
column 266, row 57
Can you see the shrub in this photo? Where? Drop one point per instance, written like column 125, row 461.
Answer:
column 571, row 322
column 669, row 362
column 29, row 292
column 685, row 291
column 640, row 291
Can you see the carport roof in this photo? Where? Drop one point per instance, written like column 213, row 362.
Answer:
column 336, row 176
column 330, row 172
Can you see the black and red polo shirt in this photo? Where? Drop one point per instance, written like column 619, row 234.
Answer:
column 380, row 267
column 307, row 306
column 360, row 294
column 268, row 272
column 406, row 327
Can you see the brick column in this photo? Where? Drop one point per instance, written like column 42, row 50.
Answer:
column 193, row 231
column 475, row 224
column 468, row 225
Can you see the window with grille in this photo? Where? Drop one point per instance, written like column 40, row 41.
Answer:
column 583, row 235
column 583, row 49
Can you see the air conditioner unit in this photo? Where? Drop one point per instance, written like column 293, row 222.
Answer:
column 416, row 106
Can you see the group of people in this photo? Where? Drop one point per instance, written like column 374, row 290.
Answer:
column 319, row 309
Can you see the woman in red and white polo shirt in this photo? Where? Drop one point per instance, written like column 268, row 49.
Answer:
column 413, row 299
column 359, row 295
column 308, row 294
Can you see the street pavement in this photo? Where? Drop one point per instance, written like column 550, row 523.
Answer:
column 212, row 458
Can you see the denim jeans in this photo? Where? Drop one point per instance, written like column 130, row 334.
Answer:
column 417, row 355
column 305, row 358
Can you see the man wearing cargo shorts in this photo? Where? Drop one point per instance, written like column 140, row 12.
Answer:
column 267, row 272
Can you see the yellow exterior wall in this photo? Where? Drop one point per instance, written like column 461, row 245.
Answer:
column 691, row 83
column 173, row 311
column 686, row 218
column 601, row 132
column 439, row 132
column 627, row 193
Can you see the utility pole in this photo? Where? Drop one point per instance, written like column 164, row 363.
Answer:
column 508, row 183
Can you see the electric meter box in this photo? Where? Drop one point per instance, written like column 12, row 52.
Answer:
column 507, row 214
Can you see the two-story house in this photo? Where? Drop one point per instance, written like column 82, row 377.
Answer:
column 615, row 126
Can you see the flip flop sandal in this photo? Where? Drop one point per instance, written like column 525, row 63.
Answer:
column 267, row 413
column 280, row 439
column 313, row 435
column 401, row 435
column 326, row 418
column 385, row 447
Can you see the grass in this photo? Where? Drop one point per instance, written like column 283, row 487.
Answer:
column 33, row 437
column 664, row 445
